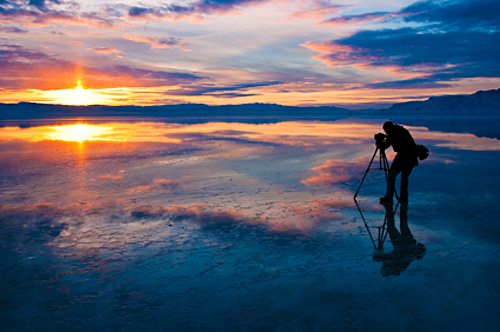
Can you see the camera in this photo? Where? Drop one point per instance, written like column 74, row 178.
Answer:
column 379, row 138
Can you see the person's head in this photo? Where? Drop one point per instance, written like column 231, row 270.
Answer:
column 388, row 125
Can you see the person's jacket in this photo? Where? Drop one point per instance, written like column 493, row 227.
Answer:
column 403, row 144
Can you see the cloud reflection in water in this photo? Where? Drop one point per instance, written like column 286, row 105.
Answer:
column 114, row 185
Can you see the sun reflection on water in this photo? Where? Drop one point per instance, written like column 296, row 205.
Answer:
column 78, row 132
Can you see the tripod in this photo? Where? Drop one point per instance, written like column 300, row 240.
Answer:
column 383, row 165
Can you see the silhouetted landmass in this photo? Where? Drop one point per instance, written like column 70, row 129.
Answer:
column 479, row 103
column 25, row 110
column 477, row 113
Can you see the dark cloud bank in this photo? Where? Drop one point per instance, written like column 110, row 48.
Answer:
column 449, row 39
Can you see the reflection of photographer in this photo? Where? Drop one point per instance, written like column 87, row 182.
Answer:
column 406, row 158
column 405, row 248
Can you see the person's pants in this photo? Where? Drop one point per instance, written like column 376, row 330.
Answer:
column 396, row 168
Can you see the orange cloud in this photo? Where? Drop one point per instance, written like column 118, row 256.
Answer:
column 30, row 69
column 326, row 47
column 106, row 50
column 156, row 184
column 110, row 177
column 334, row 171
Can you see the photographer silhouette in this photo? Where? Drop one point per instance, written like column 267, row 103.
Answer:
column 406, row 159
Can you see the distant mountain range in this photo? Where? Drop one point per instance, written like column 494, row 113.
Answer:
column 25, row 110
column 479, row 103
column 477, row 113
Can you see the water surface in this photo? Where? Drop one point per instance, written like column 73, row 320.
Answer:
column 238, row 226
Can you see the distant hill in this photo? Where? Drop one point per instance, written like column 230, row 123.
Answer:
column 479, row 103
column 27, row 111
column 477, row 113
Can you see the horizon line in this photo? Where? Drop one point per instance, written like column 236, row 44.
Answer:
column 344, row 107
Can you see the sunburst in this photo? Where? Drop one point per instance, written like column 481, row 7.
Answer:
column 76, row 96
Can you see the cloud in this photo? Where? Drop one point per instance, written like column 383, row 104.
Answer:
column 110, row 177
column 334, row 172
column 199, row 7
column 439, row 42
column 460, row 14
column 345, row 202
column 445, row 55
column 333, row 53
column 316, row 9
column 197, row 212
column 156, row 184
column 419, row 83
column 220, row 90
column 32, row 212
column 27, row 68
column 360, row 18
column 150, row 77
column 468, row 14
column 42, row 12
column 106, row 50
column 23, row 222
column 300, row 218
column 159, row 43
column 11, row 29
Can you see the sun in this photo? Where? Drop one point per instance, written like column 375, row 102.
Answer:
column 76, row 96
column 80, row 95
column 79, row 132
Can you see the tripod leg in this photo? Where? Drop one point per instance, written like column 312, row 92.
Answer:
column 366, row 224
column 386, row 167
column 366, row 173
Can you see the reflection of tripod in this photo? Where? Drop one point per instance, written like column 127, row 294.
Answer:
column 383, row 165
column 382, row 230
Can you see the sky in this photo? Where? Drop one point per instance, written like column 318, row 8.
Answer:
column 293, row 52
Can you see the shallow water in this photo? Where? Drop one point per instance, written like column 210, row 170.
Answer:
column 237, row 226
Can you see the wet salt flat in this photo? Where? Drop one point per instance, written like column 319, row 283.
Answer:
column 234, row 226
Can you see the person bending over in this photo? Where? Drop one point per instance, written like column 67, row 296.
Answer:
column 406, row 159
